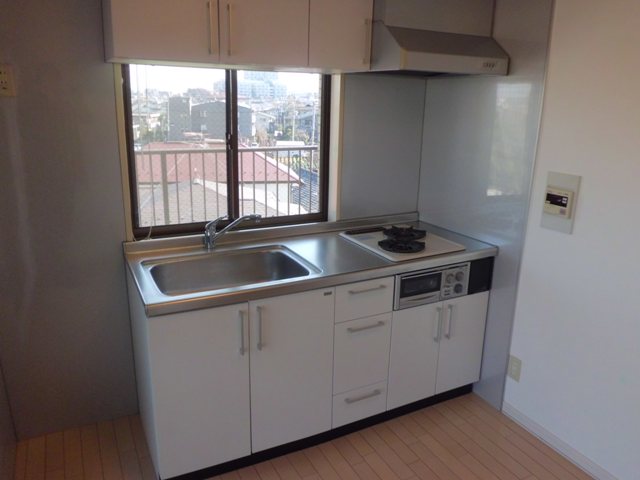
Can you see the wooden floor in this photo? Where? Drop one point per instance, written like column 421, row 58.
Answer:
column 461, row 439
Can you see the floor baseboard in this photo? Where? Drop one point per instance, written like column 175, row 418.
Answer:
column 556, row 443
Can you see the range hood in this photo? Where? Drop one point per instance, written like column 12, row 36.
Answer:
column 427, row 52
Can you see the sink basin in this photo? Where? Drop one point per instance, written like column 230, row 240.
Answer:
column 227, row 269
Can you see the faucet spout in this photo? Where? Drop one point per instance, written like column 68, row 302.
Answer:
column 210, row 234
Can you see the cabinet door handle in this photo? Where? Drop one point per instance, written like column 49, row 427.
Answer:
column 365, row 290
column 438, row 325
column 212, row 21
column 241, row 317
column 259, row 343
column 379, row 323
column 229, row 23
column 367, row 41
column 375, row 393
column 447, row 331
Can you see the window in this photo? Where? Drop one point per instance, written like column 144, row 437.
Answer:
column 205, row 143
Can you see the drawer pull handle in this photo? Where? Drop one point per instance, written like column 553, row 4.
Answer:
column 229, row 23
column 365, row 290
column 351, row 400
column 241, row 318
column 367, row 42
column 365, row 327
column 447, row 331
column 212, row 20
column 438, row 325
column 259, row 343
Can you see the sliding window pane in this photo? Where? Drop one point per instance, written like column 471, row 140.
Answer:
column 178, row 126
column 278, row 143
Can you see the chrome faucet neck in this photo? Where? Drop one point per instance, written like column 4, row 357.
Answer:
column 210, row 234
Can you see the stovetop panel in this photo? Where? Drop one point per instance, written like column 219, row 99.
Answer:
column 434, row 245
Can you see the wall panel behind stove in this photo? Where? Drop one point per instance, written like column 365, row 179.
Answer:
column 380, row 167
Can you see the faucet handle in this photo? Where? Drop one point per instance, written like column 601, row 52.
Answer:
column 214, row 223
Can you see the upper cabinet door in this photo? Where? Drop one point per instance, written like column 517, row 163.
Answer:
column 340, row 34
column 264, row 32
column 162, row 30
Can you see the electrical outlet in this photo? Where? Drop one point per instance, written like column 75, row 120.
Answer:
column 7, row 85
column 515, row 366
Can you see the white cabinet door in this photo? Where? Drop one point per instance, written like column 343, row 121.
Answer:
column 291, row 367
column 340, row 34
column 462, row 340
column 264, row 32
column 157, row 30
column 200, row 379
column 414, row 354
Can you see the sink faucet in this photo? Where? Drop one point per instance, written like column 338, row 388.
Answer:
column 210, row 234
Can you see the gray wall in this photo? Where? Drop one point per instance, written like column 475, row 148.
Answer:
column 65, row 340
column 381, row 148
column 479, row 145
column 7, row 434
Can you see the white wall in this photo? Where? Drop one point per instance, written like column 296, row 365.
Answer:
column 577, row 326
column 381, row 145
column 66, row 345
column 478, row 151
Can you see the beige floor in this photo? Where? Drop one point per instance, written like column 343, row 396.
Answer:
column 462, row 439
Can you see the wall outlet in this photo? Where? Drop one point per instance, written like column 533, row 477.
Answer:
column 515, row 365
column 7, row 84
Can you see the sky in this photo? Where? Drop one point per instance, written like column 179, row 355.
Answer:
column 171, row 79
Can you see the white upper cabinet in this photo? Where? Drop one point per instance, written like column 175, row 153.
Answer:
column 327, row 35
column 264, row 32
column 162, row 30
column 340, row 34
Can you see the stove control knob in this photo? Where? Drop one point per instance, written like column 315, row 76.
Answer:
column 450, row 278
column 458, row 288
column 459, row 276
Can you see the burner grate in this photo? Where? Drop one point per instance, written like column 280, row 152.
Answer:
column 401, row 246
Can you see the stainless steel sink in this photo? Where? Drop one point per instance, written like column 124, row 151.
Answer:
column 227, row 269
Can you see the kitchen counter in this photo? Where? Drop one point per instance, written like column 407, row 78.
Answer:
column 337, row 260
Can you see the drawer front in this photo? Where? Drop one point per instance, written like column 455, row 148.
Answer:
column 359, row 403
column 361, row 352
column 363, row 299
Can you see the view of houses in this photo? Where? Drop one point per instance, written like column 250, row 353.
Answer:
column 181, row 156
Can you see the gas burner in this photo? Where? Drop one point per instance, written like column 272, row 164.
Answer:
column 401, row 246
column 404, row 234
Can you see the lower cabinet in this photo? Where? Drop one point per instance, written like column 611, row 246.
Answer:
column 436, row 348
column 199, row 401
column 222, row 383
column 291, row 367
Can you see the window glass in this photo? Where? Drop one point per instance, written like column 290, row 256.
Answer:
column 182, row 158
column 278, row 143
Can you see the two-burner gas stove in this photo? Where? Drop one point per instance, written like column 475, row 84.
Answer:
column 402, row 242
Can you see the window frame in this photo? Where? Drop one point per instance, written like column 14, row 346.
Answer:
column 233, row 200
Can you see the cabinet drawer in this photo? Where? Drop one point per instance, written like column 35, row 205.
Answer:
column 359, row 403
column 363, row 299
column 361, row 352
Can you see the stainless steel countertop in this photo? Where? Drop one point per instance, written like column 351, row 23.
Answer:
column 338, row 260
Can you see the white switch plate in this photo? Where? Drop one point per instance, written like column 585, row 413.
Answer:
column 515, row 366
column 7, row 84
